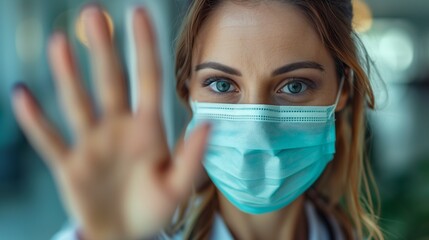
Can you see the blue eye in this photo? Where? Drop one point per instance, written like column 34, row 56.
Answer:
column 221, row 86
column 294, row 87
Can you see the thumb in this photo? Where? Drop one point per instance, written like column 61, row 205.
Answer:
column 187, row 162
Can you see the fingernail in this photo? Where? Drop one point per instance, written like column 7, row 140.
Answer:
column 140, row 9
column 92, row 4
column 18, row 87
column 57, row 35
column 90, row 8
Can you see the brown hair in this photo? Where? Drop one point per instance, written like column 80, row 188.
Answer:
column 344, row 190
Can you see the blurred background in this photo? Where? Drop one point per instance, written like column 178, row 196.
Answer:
column 395, row 33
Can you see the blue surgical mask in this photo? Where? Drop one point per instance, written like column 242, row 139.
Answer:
column 263, row 157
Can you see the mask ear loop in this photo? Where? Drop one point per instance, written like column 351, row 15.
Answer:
column 337, row 99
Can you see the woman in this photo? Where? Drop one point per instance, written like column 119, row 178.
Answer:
column 267, row 79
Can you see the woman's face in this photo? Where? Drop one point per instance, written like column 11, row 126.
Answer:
column 265, row 53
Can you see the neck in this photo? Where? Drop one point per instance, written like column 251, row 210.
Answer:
column 286, row 223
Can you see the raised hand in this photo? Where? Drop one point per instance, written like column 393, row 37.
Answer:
column 118, row 178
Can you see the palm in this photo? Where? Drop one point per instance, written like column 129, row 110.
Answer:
column 118, row 178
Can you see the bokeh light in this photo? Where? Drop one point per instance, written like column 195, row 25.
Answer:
column 362, row 20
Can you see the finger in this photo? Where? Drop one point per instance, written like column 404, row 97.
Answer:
column 40, row 132
column 108, row 75
column 187, row 162
column 148, row 65
column 74, row 98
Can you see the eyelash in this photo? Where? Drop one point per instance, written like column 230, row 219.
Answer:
column 309, row 84
column 210, row 80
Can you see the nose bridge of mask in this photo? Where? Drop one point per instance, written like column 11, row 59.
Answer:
column 249, row 135
column 269, row 128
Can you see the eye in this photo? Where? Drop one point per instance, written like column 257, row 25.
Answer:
column 294, row 87
column 221, row 85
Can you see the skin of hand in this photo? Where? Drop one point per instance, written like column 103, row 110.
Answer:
column 117, row 179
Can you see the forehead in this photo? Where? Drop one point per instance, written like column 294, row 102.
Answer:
column 269, row 32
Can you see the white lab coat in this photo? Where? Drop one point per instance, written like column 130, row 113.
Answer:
column 319, row 228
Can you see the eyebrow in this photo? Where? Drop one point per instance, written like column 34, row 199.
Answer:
column 218, row 66
column 281, row 70
column 298, row 65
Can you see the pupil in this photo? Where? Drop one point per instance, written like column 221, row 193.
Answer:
column 222, row 86
column 295, row 87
